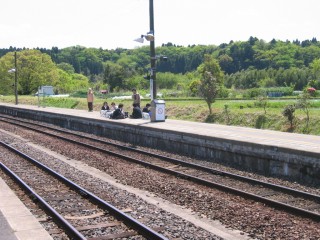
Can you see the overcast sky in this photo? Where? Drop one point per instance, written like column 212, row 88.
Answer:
column 116, row 23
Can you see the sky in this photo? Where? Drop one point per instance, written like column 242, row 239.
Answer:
column 112, row 24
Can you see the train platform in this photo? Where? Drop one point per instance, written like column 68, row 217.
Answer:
column 263, row 151
column 294, row 141
column 16, row 221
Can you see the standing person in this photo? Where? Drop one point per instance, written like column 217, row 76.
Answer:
column 90, row 98
column 136, row 97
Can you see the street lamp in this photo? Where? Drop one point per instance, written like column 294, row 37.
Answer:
column 157, row 106
column 14, row 70
column 153, row 85
column 150, row 37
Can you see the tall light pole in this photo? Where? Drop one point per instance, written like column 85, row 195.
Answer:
column 14, row 70
column 157, row 106
column 153, row 85
column 15, row 78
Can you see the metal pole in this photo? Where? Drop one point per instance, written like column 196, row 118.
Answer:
column 152, row 54
column 38, row 96
column 15, row 78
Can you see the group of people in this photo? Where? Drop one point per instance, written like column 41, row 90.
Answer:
column 105, row 106
column 118, row 112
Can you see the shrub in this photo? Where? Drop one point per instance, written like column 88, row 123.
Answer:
column 288, row 112
column 254, row 92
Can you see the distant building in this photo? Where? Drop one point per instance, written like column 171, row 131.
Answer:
column 45, row 91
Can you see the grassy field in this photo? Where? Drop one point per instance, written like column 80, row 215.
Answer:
column 245, row 113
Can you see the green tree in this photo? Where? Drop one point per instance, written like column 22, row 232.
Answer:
column 209, row 88
column 6, row 78
column 288, row 112
column 79, row 81
column 262, row 101
column 194, row 87
column 304, row 104
column 315, row 68
column 114, row 75
column 226, row 63
column 67, row 67
column 68, row 82
column 211, row 80
column 34, row 69
column 168, row 80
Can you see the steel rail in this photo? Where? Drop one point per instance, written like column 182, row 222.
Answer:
column 70, row 230
column 129, row 221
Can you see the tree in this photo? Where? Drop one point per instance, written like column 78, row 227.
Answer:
column 67, row 67
column 194, row 87
column 69, row 82
column 262, row 101
column 288, row 112
column 209, row 88
column 315, row 68
column 7, row 79
column 226, row 63
column 211, row 80
column 304, row 104
column 34, row 69
column 113, row 75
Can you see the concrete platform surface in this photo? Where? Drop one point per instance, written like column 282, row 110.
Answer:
column 16, row 221
column 303, row 142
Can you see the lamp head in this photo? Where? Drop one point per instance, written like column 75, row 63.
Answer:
column 140, row 39
column 149, row 37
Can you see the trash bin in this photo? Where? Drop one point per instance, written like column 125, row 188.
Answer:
column 158, row 111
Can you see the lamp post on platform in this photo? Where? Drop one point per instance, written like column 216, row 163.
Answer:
column 153, row 84
column 14, row 70
column 157, row 106
column 150, row 37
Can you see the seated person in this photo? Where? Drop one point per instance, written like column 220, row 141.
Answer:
column 105, row 106
column 118, row 113
column 136, row 111
column 146, row 109
column 113, row 106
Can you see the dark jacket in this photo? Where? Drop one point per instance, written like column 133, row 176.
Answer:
column 105, row 108
column 146, row 110
column 117, row 114
column 136, row 113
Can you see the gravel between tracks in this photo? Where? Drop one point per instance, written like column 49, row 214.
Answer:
column 149, row 214
column 235, row 212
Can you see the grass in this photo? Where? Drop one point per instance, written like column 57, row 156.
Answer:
column 246, row 113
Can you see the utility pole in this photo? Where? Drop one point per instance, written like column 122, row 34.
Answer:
column 153, row 85
column 157, row 106
column 15, row 77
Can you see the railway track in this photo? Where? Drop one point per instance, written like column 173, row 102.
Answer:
column 79, row 212
column 281, row 197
